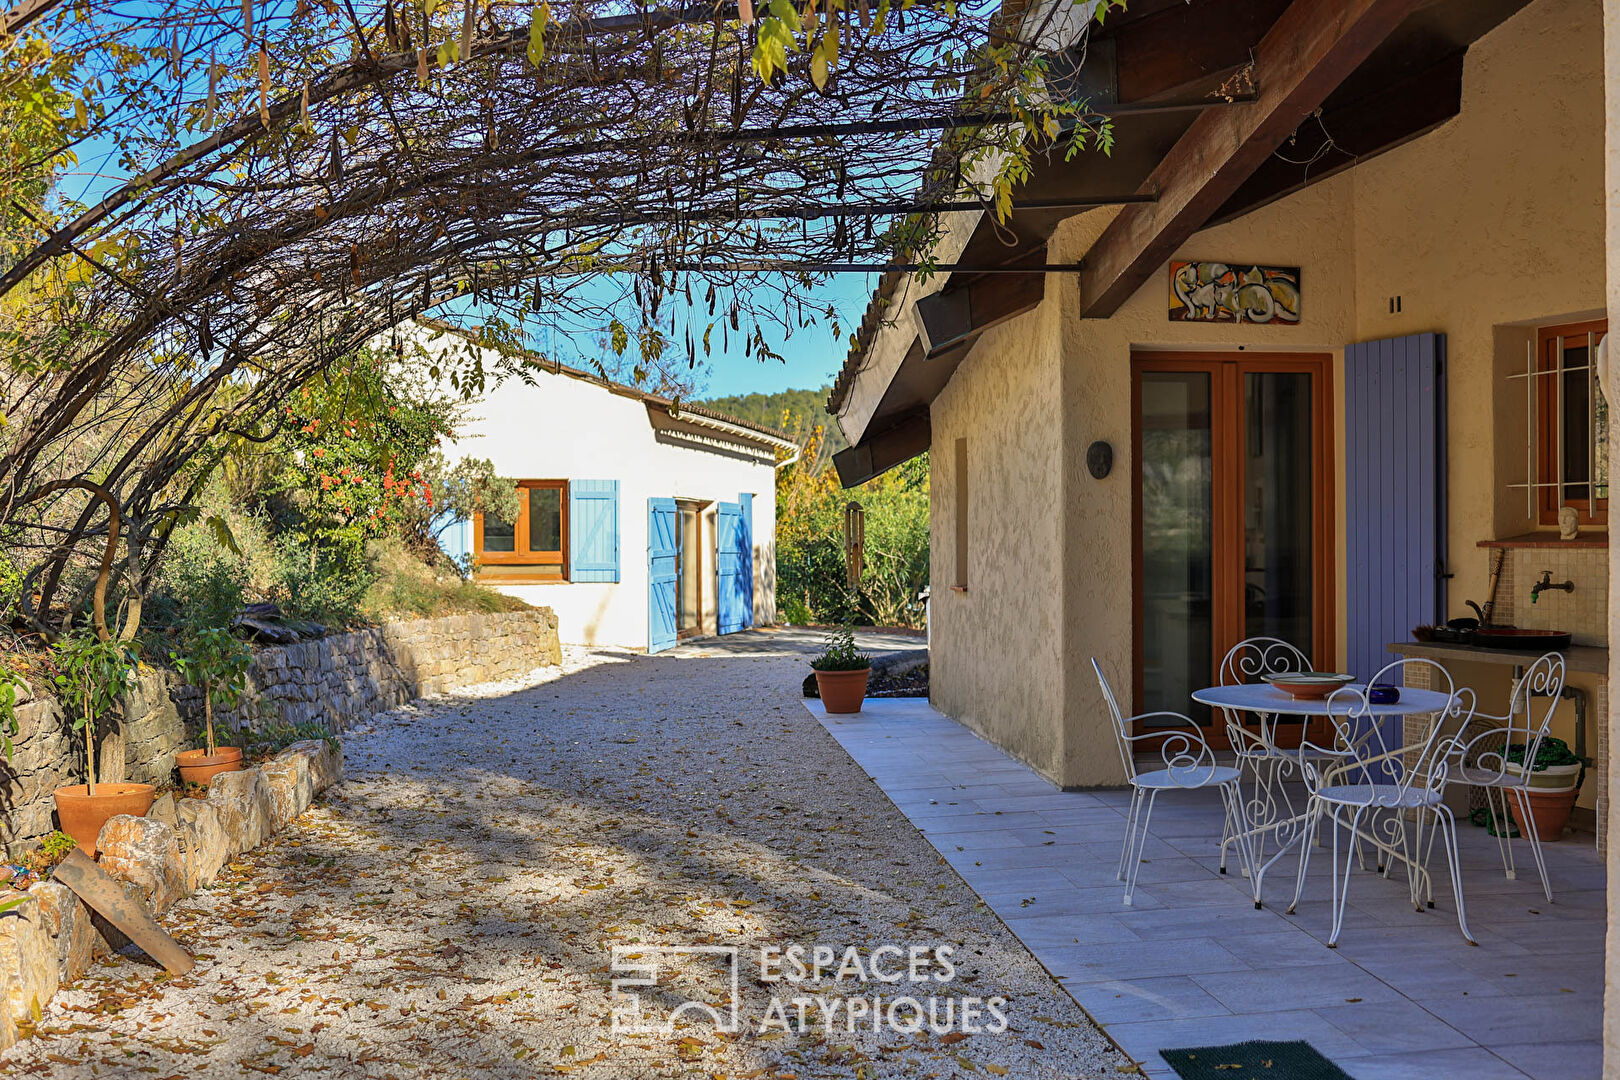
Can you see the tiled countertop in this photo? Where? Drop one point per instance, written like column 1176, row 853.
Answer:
column 1588, row 658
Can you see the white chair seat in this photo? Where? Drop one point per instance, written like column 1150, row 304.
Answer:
column 1381, row 796
column 1476, row 777
column 1188, row 776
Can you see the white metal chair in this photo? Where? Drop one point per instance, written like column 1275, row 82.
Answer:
column 1189, row 764
column 1481, row 761
column 1268, row 809
column 1395, row 786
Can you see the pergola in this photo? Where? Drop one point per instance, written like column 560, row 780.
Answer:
column 298, row 178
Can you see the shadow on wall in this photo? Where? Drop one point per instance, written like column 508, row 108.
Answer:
column 765, row 584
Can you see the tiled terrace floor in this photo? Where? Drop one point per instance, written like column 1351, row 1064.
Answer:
column 1192, row 963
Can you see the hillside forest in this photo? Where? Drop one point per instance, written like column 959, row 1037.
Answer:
column 812, row 585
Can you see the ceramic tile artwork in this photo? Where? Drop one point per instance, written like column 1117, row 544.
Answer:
column 1583, row 612
column 1192, row 962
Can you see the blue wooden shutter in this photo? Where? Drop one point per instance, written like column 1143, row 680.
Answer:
column 728, row 569
column 663, row 556
column 746, row 501
column 1395, row 493
column 593, row 530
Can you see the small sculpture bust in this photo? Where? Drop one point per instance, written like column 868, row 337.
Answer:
column 1569, row 523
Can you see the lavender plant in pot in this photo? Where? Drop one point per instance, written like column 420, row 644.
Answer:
column 841, row 672
column 92, row 675
column 216, row 662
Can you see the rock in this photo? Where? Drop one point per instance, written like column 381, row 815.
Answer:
column 324, row 762
column 291, row 788
column 145, row 853
column 67, row 920
column 204, row 843
column 243, row 800
column 163, row 809
column 27, row 958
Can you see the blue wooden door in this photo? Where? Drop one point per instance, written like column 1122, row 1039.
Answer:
column 746, row 501
column 728, row 608
column 1395, row 493
column 663, row 560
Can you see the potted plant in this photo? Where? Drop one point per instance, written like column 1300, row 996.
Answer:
column 216, row 662
column 92, row 675
column 841, row 673
column 1553, row 786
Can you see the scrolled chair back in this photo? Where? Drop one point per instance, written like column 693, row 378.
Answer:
column 1254, row 657
column 1186, row 755
column 1485, row 751
column 1247, row 662
column 1383, row 761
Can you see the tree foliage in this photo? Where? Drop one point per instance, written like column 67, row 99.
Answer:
column 811, row 566
column 288, row 181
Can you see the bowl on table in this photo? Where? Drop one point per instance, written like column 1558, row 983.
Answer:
column 1308, row 685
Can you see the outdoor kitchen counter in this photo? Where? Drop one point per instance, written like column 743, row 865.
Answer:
column 1592, row 659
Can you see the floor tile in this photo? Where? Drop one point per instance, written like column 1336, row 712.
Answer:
column 1191, row 962
column 1176, row 997
column 1557, row 1060
column 1394, row 1027
column 1466, row 1063
column 1299, row 987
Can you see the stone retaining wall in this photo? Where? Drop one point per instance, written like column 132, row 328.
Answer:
column 334, row 680
column 50, row 939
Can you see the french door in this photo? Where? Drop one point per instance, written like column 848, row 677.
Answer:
column 1233, row 521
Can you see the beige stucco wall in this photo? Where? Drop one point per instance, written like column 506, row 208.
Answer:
column 995, row 663
column 1494, row 218
column 1611, row 82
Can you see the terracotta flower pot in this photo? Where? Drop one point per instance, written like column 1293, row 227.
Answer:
column 197, row 767
column 1552, row 809
column 82, row 814
column 843, row 691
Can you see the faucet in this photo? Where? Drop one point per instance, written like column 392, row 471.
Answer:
column 1546, row 583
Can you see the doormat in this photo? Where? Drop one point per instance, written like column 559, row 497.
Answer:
column 1253, row 1061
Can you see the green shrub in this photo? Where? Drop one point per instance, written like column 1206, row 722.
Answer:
column 405, row 586
column 841, row 653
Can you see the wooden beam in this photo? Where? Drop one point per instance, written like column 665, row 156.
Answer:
column 1308, row 52
column 874, row 455
column 1189, row 43
column 947, row 319
column 1403, row 110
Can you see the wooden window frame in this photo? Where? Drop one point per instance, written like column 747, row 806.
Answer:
column 1226, row 371
column 521, row 555
column 1545, row 439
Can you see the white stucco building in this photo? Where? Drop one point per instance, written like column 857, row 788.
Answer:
column 642, row 522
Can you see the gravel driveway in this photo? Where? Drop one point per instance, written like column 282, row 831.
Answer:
column 451, row 909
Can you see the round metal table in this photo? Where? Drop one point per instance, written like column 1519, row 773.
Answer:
column 1270, row 811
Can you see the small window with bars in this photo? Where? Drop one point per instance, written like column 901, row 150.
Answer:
column 1567, row 419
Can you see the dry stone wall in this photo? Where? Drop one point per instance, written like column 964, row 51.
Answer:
column 334, row 680
column 50, row 938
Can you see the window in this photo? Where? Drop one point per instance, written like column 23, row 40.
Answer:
column 1571, row 424
column 961, row 514
column 535, row 546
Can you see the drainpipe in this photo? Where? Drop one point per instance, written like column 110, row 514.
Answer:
column 1579, row 697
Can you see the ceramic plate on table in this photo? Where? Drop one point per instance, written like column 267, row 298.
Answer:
column 1309, row 685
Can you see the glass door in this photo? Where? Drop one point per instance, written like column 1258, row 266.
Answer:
column 1233, row 522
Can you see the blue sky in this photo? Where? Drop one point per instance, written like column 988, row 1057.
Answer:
column 810, row 359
